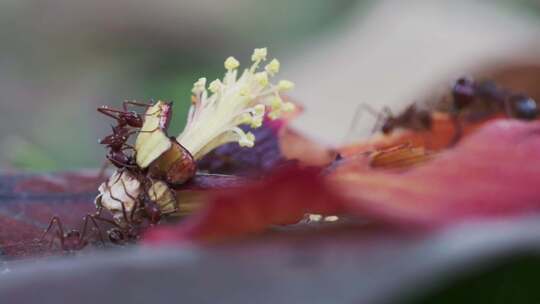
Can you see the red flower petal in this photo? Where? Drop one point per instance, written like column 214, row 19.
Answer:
column 495, row 171
column 439, row 137
column 283, row 198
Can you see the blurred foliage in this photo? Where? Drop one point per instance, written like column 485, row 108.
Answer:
column 140, row 60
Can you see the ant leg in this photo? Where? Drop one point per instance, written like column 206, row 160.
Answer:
column 143, row 131
column 109, row 112
column 124, row 212
column 356, row 117
column 135, row 206
column 96, row 227
column 135, row 103
column 119, row 164
column 381, row 116
column 127, row 146
column 60, row 231
column 99, row 217
column 458, row 130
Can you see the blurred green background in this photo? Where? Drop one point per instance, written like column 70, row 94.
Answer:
column 62, row 59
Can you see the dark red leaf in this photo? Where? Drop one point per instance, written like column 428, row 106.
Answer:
column 28, row 202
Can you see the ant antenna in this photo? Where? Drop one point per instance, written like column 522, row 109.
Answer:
column 360, row 109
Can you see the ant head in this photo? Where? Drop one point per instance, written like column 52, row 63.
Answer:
column 463, row 92
column 388, row 126
column 524, row 107
column 132, row 119
column 107, row 140
column 425, row 119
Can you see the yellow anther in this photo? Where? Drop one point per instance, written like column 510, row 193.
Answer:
column 274, row 114
column 244, row 92
column 258, row 110
column 231, row 63
column 288, row 106
column 247, row 140
column 215, row 86
column 245, row 118
column 259, row 54
column 256, row 122
column 276, row 103
column 262, row 78
column 199, row 86
column 273, row 67
column 285, row 85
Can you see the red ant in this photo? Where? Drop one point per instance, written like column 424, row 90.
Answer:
column 72, row 240
column 127, row 121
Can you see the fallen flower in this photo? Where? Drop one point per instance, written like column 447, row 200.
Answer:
column 491, row 173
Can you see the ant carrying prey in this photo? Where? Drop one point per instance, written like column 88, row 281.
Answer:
column 149, row 206
column 142, row 203
column 127, row 124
